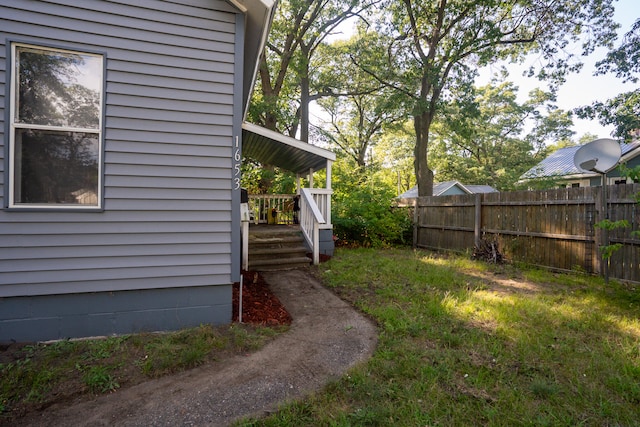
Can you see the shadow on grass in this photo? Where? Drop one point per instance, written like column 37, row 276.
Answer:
column 463, row 343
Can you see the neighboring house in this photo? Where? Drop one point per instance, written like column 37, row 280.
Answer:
column 121, row 145
column 447, row 188
column 560, row 169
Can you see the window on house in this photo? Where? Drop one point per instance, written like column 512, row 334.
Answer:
column 56, row 128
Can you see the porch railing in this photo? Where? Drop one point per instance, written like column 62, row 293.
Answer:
column 315, row 213
column 261, row 208
column 322, row 199
column 310, row 221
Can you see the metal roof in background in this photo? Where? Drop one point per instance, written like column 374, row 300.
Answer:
column 272, row 148
column 560, row 162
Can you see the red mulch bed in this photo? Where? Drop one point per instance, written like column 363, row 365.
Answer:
column 259, row 305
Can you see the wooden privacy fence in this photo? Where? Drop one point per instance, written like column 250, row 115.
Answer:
column 550, row 228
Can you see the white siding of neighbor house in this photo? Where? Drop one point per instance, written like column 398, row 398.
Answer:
column 168, row 130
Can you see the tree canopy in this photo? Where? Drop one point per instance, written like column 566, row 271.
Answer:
column 487, row 137
column 623, row 110
column 410, row 70
column 435, row 47
column 298, row 29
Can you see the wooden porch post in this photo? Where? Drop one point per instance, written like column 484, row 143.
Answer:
column 329, row 164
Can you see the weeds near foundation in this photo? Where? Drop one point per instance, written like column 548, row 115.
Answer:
column 34, row 376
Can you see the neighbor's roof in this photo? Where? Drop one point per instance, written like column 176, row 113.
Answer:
column 272, row 148
column 560, row 162
column 441, row 187
column 475, row 189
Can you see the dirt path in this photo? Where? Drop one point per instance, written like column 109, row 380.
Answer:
column 326, row 338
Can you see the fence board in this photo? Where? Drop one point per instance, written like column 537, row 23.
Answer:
column 549, row 228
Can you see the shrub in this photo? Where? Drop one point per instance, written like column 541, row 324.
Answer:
column 365, row 217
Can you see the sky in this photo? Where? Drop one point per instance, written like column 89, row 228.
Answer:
column 580, row 89
column 584, row 88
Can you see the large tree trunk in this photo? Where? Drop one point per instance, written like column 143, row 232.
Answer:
column 270, row 95
column 304, row 94
column 424, row 175
column 304, row 109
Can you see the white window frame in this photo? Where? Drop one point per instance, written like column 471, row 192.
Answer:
column 581, row 183
column 15, row 126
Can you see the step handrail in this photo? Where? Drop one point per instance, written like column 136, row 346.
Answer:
column 310, row 220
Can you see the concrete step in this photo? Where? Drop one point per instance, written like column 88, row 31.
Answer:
column 278, row 252
column 274, row 242
column 278, row 264
column 276, row 248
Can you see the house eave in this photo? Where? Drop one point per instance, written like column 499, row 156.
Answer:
column 273, row 148
column 258, row 18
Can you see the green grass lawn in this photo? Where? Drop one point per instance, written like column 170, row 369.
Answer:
column 463, row 343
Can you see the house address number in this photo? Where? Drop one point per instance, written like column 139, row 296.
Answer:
column 236, row 164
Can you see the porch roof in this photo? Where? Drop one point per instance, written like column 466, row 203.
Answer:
column 273, row 148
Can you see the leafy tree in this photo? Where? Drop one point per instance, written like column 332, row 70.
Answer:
column 435, row 46
column 359, row 109
column 480, row 138
column 298, row 29
column 623, row 110
column 549, row 124
column 625, row 60
column 257, row 179
column 393, row 155
column 283, row 92
column 568, row 142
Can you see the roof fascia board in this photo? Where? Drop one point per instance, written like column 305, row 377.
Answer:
column 259, row 17
column 461, row 185
column 444, row 190
column 242, row 8
column 560, row 177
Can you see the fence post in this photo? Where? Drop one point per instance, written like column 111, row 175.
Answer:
column 477, row 229
column 599, row 234
column 415, row 222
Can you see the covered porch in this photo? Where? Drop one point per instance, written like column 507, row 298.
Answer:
column 314, row 215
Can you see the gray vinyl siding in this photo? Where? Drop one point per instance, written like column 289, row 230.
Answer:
column 168, row 131
column 3, row 118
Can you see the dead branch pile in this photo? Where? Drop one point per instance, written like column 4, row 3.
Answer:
column 487, row 250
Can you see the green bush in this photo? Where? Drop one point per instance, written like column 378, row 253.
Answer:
column 365, row 217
